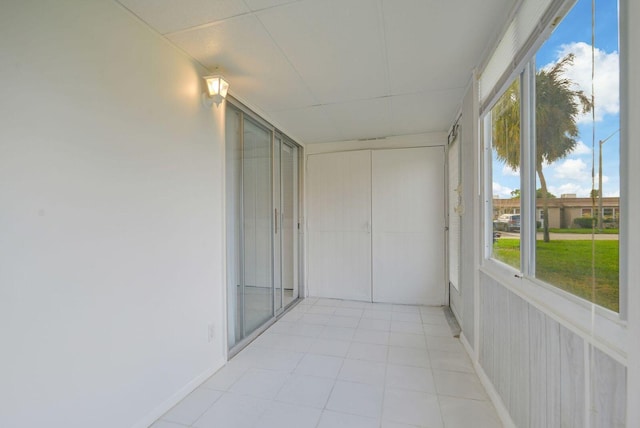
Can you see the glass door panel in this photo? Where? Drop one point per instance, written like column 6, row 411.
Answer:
column 257, row 225
column 277, row 223
column 289, row 221
column 233, row 192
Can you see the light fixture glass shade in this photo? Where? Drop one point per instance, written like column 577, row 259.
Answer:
column 217, row 87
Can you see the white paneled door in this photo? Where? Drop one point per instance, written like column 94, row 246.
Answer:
column 376, row 225
column 340, row 225
column 408, row 226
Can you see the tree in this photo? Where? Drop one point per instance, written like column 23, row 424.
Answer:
column 549, row 194
column 558, row 105
column 515, row 194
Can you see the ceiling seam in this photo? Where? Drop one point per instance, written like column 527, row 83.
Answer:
column 402, row 94
column 317, row 103
column 206, row 24
column 228, row 18
column 166, row 39
column 286, row 57
column 385, row 54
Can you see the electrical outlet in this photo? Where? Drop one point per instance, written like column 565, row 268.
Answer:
column 210, row 332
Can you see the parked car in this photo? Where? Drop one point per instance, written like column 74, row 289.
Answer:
column 508, row 223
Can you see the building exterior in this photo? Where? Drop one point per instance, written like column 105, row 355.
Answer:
column 564, row 210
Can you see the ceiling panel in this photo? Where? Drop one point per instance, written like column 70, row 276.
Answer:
column 434, row 44
column 362, row 119
column 255, row 68
column 332, row 70
column 425, row 112
column 335, row 45
column 310, row 124
column 171, row 15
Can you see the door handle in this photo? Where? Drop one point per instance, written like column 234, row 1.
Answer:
column 276, row 220
column 368, row 227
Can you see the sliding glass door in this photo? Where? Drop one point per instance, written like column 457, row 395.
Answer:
column 262, row 224
column 285, row 200
column 290, row 222
column 233, row 192
column 257, row 245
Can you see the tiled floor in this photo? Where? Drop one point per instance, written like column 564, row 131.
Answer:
column 334, row 364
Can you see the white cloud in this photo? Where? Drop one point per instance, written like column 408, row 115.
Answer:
column 508, row 171
column 572, row 169
column 501, row 191
column 568, row 188
column 571, row 176
column 614, row 194
column 581, row 149
column 606, row 80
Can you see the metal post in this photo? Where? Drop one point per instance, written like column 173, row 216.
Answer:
column 600, row 187
column 600, row 193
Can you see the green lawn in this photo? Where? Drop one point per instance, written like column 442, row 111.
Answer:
column 567, row 265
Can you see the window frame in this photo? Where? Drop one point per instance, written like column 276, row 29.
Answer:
column 595, row 323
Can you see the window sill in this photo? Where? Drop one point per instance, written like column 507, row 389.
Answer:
column 596, row 325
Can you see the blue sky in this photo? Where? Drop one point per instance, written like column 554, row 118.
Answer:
column 573, row 173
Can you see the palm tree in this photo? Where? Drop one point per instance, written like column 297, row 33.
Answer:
column 558, row 105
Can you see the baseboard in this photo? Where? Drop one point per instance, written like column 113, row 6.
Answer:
column 501, row 409
column 178, row 396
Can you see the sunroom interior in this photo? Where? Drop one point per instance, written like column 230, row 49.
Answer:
column 150, row 234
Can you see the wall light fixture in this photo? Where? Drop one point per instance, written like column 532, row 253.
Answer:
column 217, row 89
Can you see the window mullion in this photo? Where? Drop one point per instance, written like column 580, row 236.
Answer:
column 528, row 171
column 488, row 189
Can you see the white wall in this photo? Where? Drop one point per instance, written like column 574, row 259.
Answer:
column 111, row 260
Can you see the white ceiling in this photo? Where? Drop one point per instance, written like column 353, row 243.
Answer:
column 334, row 70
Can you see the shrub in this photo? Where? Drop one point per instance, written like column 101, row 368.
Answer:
column 583, row 222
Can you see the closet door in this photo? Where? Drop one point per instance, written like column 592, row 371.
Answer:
column 339, row 225
column 408, row 226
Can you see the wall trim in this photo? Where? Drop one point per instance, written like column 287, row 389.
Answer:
column 178, row 396
column 501, row 409
column 454, row 310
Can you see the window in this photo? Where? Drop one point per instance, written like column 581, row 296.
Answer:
column 558, row 122
column 504, row 123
